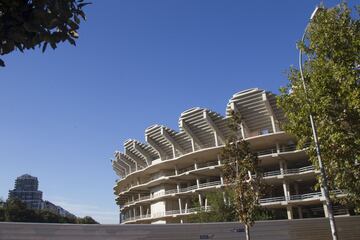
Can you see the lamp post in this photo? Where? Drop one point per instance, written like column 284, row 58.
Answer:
column 324, row 183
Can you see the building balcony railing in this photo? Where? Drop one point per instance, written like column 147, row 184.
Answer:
column 263, row 201
column 207, row 164
column 291, row 198
column 272, row 173
column 171, row 191
column 289, row 171
column 174, row 191
column 144, row 197
column 298, row 197
column 187, row 189
column 272, row 199
column 216, row 183
column 282, row 149
column 216, row 163
column 183, row 170
column 305, row 196
column 299, row 170
column 161, row 214
column 209, row 184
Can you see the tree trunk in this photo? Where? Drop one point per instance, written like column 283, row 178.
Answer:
column 247, row 232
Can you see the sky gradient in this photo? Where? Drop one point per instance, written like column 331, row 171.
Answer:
column 64, row 113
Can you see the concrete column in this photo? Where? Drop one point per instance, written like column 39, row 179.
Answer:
column 222, row 179
column 200, row 200
column 277, row 147
column 141, row 211
column 139, row 196
column 186, row 205
column 289, row 212
column 180, row 208
column 326, row 213
column 134, row 211
column 243, row 134
column 178, row 187
column 273, row 123
column 198, row 182
column 281, row 163
column 192, row 144
column 216, row 140
column 219, row 160
column 174, row 151
column 286, row 190
column 195, row 164
column 181, row 221
column 206, row 203
column 322, row 192
column 283, row 166
column 176, row 170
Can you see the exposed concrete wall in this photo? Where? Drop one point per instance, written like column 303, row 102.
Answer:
column 309, row 229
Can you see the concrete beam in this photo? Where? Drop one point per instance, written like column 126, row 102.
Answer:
column 194, row 138
column 172, row 141
column 157, row 148
column 139, row 161
column 143, row 152
column 216, row 130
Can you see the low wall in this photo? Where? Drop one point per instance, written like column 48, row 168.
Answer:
column 309, row 229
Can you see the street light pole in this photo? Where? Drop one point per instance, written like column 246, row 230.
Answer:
column 324, row 182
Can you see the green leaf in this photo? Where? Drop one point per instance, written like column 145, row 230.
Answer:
column 53, row 45
column 71, row 41
column 44, row 46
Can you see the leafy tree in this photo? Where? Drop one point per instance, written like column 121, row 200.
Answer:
column 331, row 73
column 16, row 211
column 222, row 209
column 86, row 220
column 241, row 175
column 2, row 210
column 31, row 23
column 2, row 214
column 49, row 217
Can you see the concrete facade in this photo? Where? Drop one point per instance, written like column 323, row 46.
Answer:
column 159, row 179
column 26, row 190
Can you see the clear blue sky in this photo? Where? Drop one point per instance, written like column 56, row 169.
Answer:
column 65, row 112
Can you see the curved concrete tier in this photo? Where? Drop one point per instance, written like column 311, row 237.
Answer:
column 161, row 179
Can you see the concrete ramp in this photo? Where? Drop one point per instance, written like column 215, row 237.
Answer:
column 309, row 229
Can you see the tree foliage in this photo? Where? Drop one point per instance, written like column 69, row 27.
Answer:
column 13, row 210
column 241, row 174
column 86, row 220
column 25, row 24
column 222, row 209
column 16, row 211
column 331, row 73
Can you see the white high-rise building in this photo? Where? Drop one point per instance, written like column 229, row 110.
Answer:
column 160, row 179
